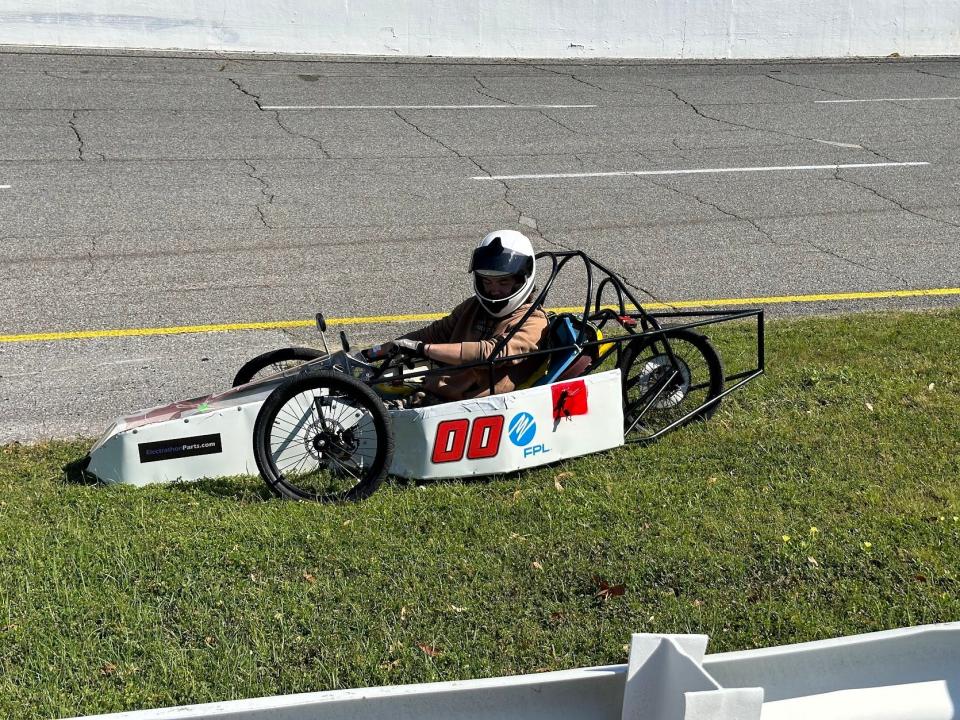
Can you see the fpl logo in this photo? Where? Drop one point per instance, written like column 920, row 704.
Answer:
column 522, row 430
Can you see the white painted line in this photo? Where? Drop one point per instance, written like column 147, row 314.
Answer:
column 838, row 144
column 697, row 171
column 421, row 107
column 4, row 187
column 886, row 100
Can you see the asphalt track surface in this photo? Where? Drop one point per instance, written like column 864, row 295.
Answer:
column 144, row 191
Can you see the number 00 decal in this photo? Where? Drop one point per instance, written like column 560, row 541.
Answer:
column 452, row 439
column 485, row 437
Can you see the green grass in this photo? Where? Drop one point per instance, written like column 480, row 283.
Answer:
column 117, row 598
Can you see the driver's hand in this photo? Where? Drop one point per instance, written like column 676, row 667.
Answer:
column 377, row 351
column 410, row 348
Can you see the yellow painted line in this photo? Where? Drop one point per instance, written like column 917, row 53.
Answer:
column 385, row 319
column 826, row 297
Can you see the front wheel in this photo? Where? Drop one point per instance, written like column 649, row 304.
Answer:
column 274, row 362
column 323, row 436
column 658, row 393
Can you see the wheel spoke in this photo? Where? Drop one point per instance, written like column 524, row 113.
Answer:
column 302, row 462
column 292, row 462
column 343, row 465
column 289, row 439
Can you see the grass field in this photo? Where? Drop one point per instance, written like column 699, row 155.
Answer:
column 822, row 500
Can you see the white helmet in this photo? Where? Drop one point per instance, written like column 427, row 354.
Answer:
column 503, row 252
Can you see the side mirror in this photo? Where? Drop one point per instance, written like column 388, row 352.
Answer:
column 322, row 327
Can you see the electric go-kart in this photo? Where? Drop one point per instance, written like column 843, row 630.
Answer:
column 316, row 424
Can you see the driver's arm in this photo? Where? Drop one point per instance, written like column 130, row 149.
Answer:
column 446, row 353
column 436, row 332
column 527, row 338
column 439, row 331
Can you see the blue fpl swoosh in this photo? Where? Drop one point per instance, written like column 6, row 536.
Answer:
column 522, row 429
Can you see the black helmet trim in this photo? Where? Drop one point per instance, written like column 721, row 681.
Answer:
column 496, row 259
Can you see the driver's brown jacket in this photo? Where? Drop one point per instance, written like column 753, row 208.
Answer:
column 479, row 332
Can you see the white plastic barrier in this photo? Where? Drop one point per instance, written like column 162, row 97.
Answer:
column 498, row 28
column 905, row 674
column 585, row 694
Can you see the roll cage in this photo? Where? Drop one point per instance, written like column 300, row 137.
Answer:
column 621, row 312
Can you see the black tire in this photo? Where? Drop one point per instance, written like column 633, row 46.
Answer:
column 645, row 367
column 306, row 453
column 273, row 362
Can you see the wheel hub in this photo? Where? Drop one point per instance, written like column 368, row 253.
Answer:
column 328, row 438
column 652, row 375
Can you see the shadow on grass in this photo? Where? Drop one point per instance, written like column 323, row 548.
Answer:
column 252, row 489
column 402, row 483
column 244, row 489
column 249, row 490
column 233, row 488
column 75, row 472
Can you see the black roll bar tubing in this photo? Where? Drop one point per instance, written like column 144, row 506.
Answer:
column 713, row 401
column 761, row 348
column 600, row 288
column 716, row 317
column 558, row 261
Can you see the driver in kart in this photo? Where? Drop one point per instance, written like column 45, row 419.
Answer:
column 503, row 268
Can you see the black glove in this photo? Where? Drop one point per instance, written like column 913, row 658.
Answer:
column 410, row 348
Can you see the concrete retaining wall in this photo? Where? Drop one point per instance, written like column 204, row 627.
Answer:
column 666, row 29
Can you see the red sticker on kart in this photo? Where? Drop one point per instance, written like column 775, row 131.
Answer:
column 569, row 399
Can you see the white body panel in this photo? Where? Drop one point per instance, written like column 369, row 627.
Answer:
column 905, row 674
column 200, row 438
column 213, row 436
column 519, row 425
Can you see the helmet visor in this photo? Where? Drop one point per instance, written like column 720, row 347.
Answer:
column 495, row 259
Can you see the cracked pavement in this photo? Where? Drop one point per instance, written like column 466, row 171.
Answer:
column 73, row 126
column 156, row 191
column 264, row 191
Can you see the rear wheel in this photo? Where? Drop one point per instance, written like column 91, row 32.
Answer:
column 657, row 393
column 323, row 436
column 273, row 362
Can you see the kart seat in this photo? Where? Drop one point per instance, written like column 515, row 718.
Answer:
column 561, row 333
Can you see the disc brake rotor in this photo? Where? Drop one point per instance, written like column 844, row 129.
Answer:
column 327, row 438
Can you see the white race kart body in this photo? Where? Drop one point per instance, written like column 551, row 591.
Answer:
column 212, row 436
